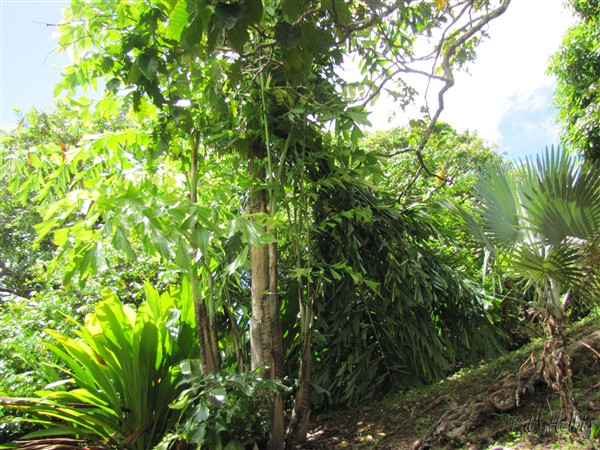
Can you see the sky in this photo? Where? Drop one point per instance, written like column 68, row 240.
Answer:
column 506, row 96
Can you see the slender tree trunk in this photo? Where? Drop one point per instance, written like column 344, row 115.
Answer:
column 277, row 412
column 240, row 348
column 209, row 350
column 207, row 334
column 556, row 367
column 556, row 362
column 260, row 320
column 300, row 420
column 265, row 326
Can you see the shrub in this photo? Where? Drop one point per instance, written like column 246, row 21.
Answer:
column 225, row 410
column 121, row 373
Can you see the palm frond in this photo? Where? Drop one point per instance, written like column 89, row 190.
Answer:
column 560, row 197
column 498, row 208
column 538, row 262
column 540, row 216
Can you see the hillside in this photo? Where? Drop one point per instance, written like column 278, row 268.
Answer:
column 458, row 412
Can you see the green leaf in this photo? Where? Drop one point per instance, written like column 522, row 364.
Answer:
column 292, row 10
column 88, row 261
column 253, row 11
column 373, row 285
column 227, row 14
column 238, row 36
column 359, row 117
column 240, row 260
column 148, row 346
column 178, row 20
column 196, row 436
column 148, row 65
column 498, row 206
column 61, row 236
column 182, row 255
column 234, row 445
column 202, row 413
column 161, row 244
column 340, row 8
column 121, row 242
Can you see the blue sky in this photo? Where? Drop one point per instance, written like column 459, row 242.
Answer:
column 27, row 55
column 508, row 94
column 505, row 97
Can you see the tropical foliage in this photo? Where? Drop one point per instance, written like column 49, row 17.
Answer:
column 537, row 222
column 232, row 169
column 120, row 373
column 21, row 266
column 447, row 167
column 225, row 410
column 577, row 70
column 390, row 303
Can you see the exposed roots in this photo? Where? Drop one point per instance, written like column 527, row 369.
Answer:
column 552, row 369
column 556, row 368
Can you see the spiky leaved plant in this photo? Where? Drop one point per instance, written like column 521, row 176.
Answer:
column 120, row 375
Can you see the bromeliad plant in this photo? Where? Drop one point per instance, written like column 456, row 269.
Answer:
column 121, row 373
column 537, row 223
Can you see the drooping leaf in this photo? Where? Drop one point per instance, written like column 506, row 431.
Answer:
column 178, row 20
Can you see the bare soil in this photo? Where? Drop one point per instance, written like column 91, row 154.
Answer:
column 478, row 408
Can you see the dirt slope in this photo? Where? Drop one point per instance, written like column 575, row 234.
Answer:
column 477, row 409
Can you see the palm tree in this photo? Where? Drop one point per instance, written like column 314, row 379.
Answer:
column 536, row 221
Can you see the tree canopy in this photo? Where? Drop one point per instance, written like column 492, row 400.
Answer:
column 577, row 70
column 236, row 160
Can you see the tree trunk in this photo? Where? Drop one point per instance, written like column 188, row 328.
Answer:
column 300, row 420
column 277, row 413
column 209, row 350
column 207, row 334
column 556, row 367
column 265, row 326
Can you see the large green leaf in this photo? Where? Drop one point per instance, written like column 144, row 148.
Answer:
column 539, row 217
column 178, row 20
column 498, row 207
column 540, row 262
column 561, row 197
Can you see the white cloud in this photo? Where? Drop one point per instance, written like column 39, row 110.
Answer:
column 510, row 72
column 509, row 75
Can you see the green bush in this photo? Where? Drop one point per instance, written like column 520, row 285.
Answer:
column 222, row 411
column 22, row 323
column 121, row 373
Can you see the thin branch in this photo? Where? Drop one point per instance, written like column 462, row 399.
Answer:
column 449, row 75
column 26, row 294
column 307, row 13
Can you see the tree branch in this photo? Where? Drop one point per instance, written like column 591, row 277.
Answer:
column 450, row 52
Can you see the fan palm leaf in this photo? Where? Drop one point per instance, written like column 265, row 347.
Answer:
column 498, row 210
column 560, row 196
column 542, row 218
column 539, row 216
